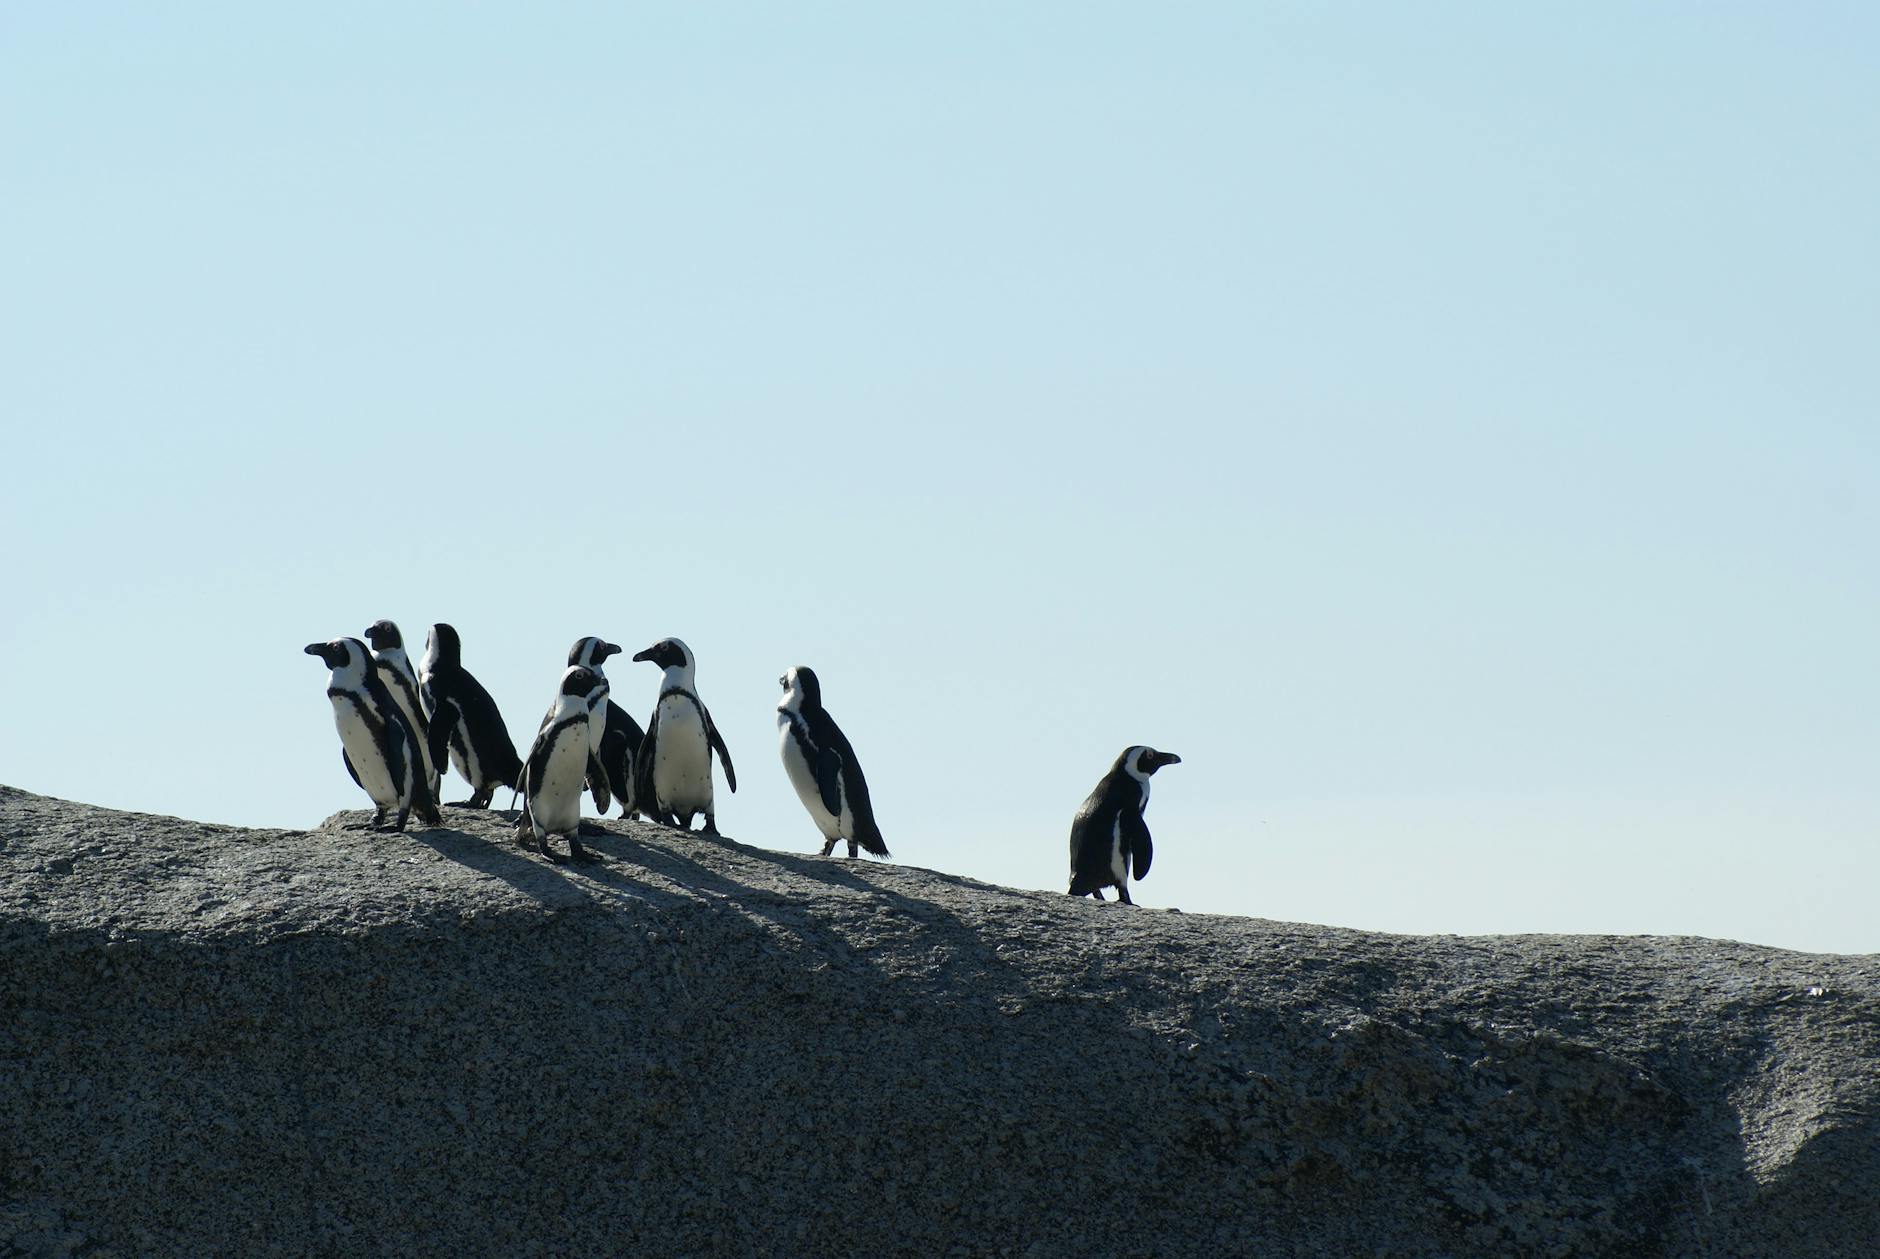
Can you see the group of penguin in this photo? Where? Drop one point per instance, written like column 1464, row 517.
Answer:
column 397, row 725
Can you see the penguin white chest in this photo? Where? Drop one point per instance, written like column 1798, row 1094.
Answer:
column 555, row 802
column 1119, row 865
column 803, row 777
column 682, row 759
column 597, row 726
column 361, row 742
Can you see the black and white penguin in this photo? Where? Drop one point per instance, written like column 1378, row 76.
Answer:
column 674, row 765
column 620, row 733
column 394, row 669
column 558, row 764
column 464, row 720
column 1109, row 840
column 378, row 743
column 822, row 767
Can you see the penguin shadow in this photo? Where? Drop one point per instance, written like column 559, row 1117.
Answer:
column 972, row 953
column 791, row 911
column 502, row 858
column 649, row 854
column 684, row 870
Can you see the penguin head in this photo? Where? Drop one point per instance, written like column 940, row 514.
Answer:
column 590, row 651
column 384, row 636
column 340, row 654
column 668, row 653
column 442, row 647
column 581, row 682
column 801, row 691
column 1140, row 762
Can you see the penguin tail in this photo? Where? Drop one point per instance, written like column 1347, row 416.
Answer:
column 872, row 843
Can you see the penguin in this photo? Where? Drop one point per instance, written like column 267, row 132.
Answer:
column 822, row 767
column 674, row 765
column 1109, row 839
column 394, row 669
column 377, row 741
column 558, row 764
column 464, row 720
column 620, row 736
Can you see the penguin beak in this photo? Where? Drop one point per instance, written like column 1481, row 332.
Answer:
column 607, row 649
column 1160, row 759
column 644, row 655
column 320, row 650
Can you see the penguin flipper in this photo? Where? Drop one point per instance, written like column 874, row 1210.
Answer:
column 346, row 756
column 437, row 738
column 597, row 785
column 620, row 723
column 718, row 742
column 643, row 794
column 535, row 768
column 829, row 780
column 1141, row 851
column 423, row 803
column 397, row 747
column 853, row 784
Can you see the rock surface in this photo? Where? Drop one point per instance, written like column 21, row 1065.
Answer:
column 217, row 1041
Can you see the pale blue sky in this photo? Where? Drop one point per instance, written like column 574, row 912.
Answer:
column 1452, row 428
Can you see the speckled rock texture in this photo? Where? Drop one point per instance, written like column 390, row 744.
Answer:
column 217, row 1041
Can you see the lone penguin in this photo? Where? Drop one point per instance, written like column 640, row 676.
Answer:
column 394, row 669
column 674, row 765
column 377, row 741
column 620, row 733
column 822, row 767
column 558, row 764
column 464, row 720
column 1109, row 839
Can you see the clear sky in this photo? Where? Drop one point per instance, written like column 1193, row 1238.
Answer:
column 1453, row 428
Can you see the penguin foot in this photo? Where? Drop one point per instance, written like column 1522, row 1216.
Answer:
column 580, row 855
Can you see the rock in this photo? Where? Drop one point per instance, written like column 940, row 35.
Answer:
column 439, row 1043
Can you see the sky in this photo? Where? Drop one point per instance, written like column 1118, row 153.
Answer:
column 1452, row 428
